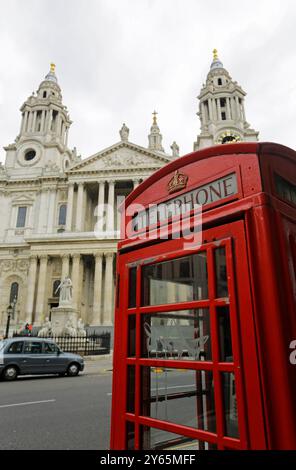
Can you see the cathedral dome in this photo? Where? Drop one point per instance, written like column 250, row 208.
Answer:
column 216, row 64
column 51, row 76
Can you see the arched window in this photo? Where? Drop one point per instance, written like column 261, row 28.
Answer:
column 62, row 214
column 44, row 94
column 14, row 288
column 54, row 288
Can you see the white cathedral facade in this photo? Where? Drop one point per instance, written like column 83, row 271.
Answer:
column 50, row 227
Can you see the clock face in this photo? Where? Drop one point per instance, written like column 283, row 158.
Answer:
column 228, row 137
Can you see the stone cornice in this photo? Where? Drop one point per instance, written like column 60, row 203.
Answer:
column 114, row 171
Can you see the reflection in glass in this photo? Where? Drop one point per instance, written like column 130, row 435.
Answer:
column 181, row 334
column 179, row 280
column 221, row 272
column 180, row 396
column 157, row 439
column 230, row 405
column 131, row 335
column 132, row 283
column 225, row 345
column 130, row 436
column 131, row 379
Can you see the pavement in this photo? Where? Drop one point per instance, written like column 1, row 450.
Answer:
column 98, row 364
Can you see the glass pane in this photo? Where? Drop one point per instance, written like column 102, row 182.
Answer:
column 13, row 292
column 152, row 438
column 132, row 287
column 130, row 408
column 130, row 436
column 225, row 345
column 180, row 396
column 183, row 334
column 62, row 214
column 21, row 217
column 33, row 347
column 221, row 272
column 178, row 280
column 131, row 335
column 230, row 404
column 16, row 348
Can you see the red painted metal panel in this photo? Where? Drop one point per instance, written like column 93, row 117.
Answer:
column 257, row 227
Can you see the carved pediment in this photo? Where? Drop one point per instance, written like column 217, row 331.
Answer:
column 121, row 156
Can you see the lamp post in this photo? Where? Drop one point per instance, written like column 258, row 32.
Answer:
column 10, row 310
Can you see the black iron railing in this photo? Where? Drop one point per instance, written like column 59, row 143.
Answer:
column 89, row 345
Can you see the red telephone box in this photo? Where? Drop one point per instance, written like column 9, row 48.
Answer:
column 203, row 326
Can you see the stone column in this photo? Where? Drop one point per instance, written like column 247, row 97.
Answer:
column 110, row 208
column 219, row 110
column 108, row 290
column 100, row 208
column 31, row 288
column 49, row 119
column 79, row 208
column 203, row 114
column 65, row 266
column 228, row 114
column 211, row 111
column 136, row 183
column 238, row 113
column 42, row 121
column 70, row 207
column 233, row 108
column 215, row 111
column 76, row 278
column 42, row 286
column 243, row 110
column 34, row 121
column 97, row 314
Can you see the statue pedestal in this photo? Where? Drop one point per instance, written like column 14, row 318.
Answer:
column 64, row 321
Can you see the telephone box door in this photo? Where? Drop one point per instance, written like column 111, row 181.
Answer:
column 186, row 369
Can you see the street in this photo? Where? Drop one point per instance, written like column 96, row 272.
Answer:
column 57, row 413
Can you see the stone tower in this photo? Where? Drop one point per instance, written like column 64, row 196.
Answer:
column 155, row 137
column 222, row 109
column 42, row 142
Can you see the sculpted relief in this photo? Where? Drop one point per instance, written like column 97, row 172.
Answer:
column 116, row 160
column 14, row 265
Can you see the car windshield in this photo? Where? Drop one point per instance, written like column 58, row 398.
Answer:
column 2, row 344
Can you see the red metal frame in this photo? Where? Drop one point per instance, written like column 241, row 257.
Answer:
column 255, row 227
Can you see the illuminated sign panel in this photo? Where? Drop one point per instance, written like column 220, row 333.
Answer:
column 202, row 196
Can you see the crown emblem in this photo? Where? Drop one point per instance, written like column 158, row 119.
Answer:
column 178, row 182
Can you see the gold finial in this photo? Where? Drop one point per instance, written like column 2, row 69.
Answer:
column 154, row 118
column 52, row 67
column 215, row 54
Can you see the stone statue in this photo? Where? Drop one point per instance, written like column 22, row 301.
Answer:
column 65, row 288
column 46, row 329
column 70, row 329
column 175, row 149
column 80, row 328
column 124, row 132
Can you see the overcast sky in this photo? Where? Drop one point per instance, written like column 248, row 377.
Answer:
column 118, row 60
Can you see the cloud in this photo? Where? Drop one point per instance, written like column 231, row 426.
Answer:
column 117, row 61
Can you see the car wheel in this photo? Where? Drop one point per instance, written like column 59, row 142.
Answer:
column 73, row 370
column 10, row 373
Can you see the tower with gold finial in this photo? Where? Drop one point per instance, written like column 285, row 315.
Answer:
column 42, row 143
column 155, row 137
column 222, row 109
